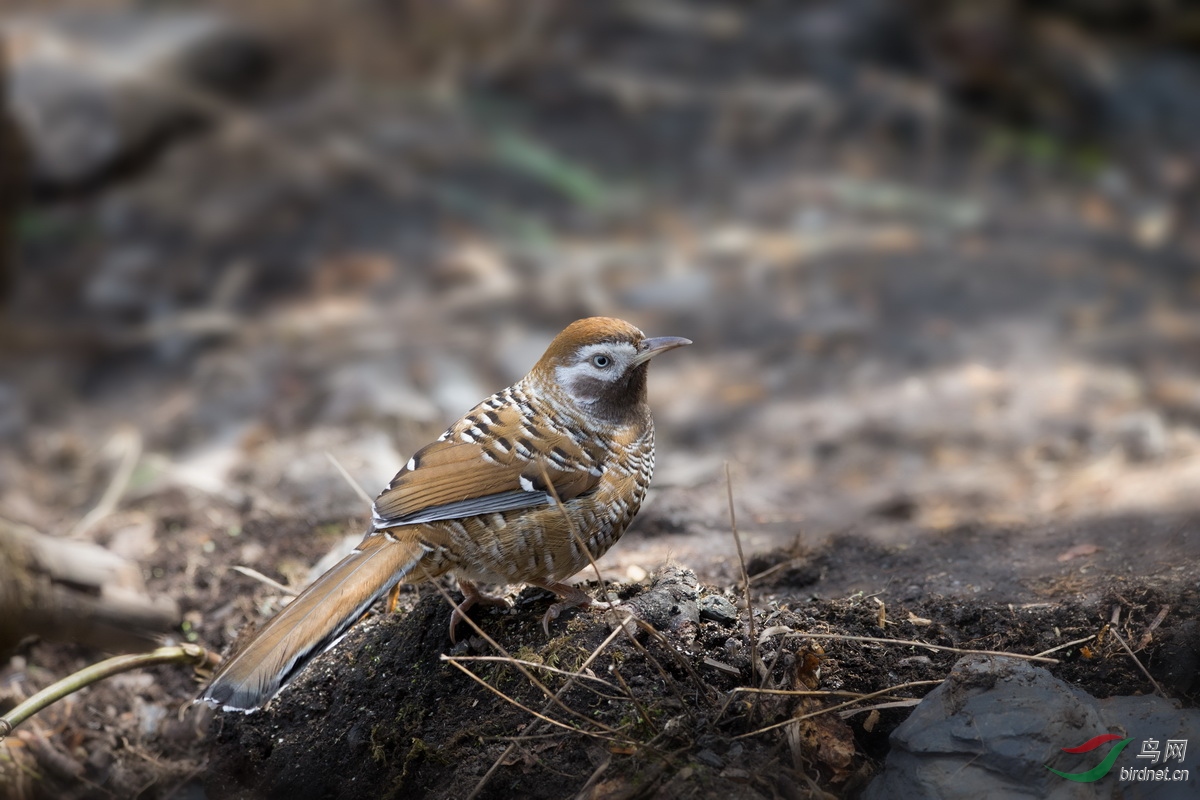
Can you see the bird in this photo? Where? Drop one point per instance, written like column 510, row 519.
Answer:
column 525, row 488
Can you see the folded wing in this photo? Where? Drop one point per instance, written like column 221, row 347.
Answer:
column 490, row 462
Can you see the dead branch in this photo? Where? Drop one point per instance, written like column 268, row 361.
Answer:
column 74, row 591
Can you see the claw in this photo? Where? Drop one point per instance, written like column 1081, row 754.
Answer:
column 569, row 597
column 471, row 597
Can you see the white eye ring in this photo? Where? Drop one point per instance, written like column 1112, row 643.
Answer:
column 601, row 361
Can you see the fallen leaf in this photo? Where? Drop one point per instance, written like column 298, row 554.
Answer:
column 1077, row 551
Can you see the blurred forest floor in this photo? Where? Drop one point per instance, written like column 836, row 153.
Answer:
column 941, row 279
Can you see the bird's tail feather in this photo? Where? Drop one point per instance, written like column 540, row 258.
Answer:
column 312, row 622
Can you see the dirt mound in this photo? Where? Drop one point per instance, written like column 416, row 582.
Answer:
column 385, row 714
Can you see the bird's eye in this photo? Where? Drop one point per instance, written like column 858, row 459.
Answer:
column 602, row 361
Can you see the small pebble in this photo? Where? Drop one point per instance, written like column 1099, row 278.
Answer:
column 716, row 608
column 915, row 661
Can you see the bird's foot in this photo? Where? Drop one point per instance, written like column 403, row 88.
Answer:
column 569, row 597
column 472, row 596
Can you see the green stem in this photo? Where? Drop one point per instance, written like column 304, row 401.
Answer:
column 183, row 654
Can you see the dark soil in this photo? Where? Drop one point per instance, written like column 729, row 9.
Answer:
column 384, row 715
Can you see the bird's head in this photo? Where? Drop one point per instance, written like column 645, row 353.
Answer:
column 600, row 363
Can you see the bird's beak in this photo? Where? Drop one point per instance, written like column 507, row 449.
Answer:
column 652, row 347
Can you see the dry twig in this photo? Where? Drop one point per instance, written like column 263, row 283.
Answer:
column 907, row 702
column 579, row 540
column 926, row 645
column 1066, row 645
column 265, row 580
column 355, row 485
column 534, row 665
column 838, row 707
column 499, row 648
column 1152, row 627
column 128, row 443
column 533, row 728
column 755, row 661
column 1138, row 661
column 526, row 709
column 182, row 654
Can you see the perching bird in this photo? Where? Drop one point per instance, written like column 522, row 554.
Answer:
column 476, row 503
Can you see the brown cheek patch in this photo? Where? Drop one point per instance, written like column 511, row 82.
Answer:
column 589, row 388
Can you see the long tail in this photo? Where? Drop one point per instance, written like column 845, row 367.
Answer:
column 312, row 622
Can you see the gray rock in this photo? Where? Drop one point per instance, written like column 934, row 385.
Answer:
column 718, row 609
column 92, row 89
column 992, row 728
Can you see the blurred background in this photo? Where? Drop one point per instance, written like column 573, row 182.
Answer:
column 938, row 259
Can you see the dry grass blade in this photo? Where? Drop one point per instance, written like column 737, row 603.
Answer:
column 737, row 539
column 127, row 442
column 755, row 660
column 838, row 707
column 533, row 728
column 527, row 709
column 516, row 663
column 683, row 662
column 621, row 627
column 1067, row 644
column 355, row 485
column 263, row 579
column 594, row 778
column 579, row 540
column 668, row 681
column 912, row 643
column 1152, row 627
column 534, row 665
column 1138, row 661
column 780, row 567
column 641, row 709
column 555, row 699
column 806, row 692
column 907, row 702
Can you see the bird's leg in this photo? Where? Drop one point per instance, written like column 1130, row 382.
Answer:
column 472, row 595
column 392, row 598
column 569, row 597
